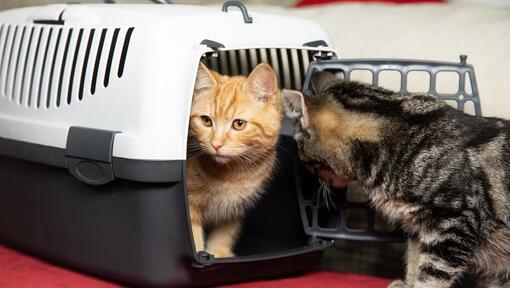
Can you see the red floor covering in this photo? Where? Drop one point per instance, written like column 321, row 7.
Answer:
column 18, row 270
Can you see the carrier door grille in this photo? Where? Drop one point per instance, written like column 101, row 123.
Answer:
column 290, row 65
column 48, row 66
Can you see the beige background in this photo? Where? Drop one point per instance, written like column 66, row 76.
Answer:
column 6, row 4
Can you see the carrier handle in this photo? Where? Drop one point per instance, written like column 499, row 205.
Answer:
column 247, row 18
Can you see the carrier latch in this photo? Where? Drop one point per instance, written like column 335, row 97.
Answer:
column 89, row 155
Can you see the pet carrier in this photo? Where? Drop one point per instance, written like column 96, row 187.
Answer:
column 103, row 92
column 94, row 111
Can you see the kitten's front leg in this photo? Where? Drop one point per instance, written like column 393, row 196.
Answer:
column 197, row 228
column 222, row 239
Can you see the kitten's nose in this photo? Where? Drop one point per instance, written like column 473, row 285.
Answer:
column 217, row 146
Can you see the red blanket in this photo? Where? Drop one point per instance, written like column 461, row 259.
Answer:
column 21, row 271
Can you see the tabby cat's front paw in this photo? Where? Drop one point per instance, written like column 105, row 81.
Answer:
column 398, row 284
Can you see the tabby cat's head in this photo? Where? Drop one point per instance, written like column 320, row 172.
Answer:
column 329, row 135
column 235, row 118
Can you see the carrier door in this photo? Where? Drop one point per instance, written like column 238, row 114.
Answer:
column 345, row 213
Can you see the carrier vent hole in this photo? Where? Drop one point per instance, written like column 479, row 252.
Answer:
column 19, row 60
column 13, row 51
column 309, row 185
column 73, row 66
column 418, row 82
column 467, row 84
column 381, row 225
column 469, row 107
column 49, row 34
column 390, row 79
column 452, row 103
column 355, row 194
column 63, row 66
column 361, row 75
column 340, row 74
column 328, row 217
column 309, row 216
column 447, row 82
column 31, row 99
column 356, row 219
column 24, row 72
column 99, row 53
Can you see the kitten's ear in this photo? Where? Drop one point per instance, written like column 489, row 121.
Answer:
column 205, row 78
column 294, row 105
column 321, row 79
column 262, row 83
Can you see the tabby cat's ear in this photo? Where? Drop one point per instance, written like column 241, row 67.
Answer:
column 294, row 106
column 205, row 79
column 262, row 84
column 321, row 79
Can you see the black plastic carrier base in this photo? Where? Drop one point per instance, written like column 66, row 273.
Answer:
column 139, row 233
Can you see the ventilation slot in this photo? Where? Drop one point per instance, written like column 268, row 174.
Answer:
column 123, row 57
column 85, row 63
column 6, row 69
column 25, row 65
column 62, row 69
column 34, row 63
column 52, row 71
column 19, row 52
column 44, row 66
column 73, row 67
column 98, row 61
column 110, row 58
column 290, row 65
column 4, row 36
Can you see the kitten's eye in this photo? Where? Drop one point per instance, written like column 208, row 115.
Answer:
column 206, row 120
column 239, row 124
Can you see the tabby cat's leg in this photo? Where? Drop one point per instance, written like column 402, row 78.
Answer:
column 413, row 258
column 485, row 280
column 495, row 281
column 197, row 228
column 442, row 262
column 223, row 238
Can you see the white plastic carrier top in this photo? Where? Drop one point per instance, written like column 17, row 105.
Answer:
column 126, row 68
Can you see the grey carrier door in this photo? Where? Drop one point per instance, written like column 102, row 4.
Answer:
column 346, row 214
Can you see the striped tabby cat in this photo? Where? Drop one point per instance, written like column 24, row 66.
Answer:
column 442, row 174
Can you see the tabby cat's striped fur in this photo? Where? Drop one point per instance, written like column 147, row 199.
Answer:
column 442, row 174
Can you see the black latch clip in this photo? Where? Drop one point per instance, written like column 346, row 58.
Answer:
column 89, row 155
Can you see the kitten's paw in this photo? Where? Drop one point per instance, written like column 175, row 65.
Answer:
column 398, row 284
column 221, row 253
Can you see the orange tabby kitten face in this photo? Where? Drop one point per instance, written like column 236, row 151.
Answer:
column 235, row 118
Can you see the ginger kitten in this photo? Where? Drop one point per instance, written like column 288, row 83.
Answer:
column 234, row 129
